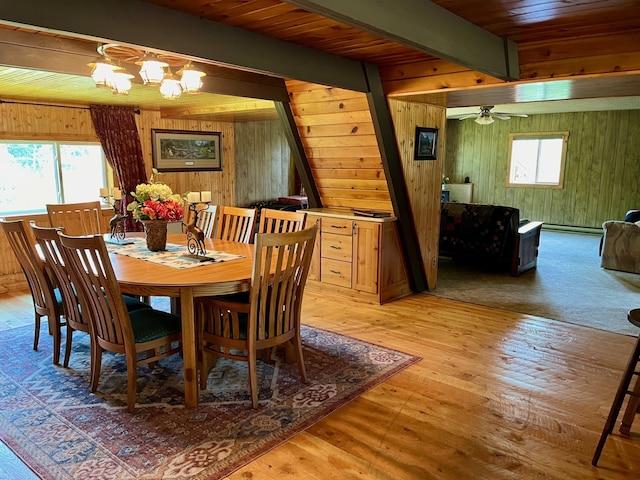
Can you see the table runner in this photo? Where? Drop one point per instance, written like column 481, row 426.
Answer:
column 175, row 256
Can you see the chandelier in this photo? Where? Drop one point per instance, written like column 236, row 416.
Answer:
column 155, row 70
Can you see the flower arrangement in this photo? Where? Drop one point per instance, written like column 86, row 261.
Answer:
column 445, row 180
column 156, row 201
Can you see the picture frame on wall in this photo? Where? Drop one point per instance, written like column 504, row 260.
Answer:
column 186, row 151
column 426, row 143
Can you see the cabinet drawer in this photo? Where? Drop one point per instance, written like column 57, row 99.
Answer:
column 336, row 272
column 338, row 247
column 336, row 225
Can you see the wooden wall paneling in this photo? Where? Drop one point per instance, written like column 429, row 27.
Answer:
column 603, row 206
column 594, row 181
column 631, row 191
column 422, row 178
column 601, row 170
column 222, row 184
column 245, row 136
column 339, row 140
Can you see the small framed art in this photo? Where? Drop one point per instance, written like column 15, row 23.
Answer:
column 426, row 144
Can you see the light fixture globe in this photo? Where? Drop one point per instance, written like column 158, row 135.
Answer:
column 482, row 120
column 121, row 82
column 191, row 78
column 102, row 73
column 151, row 69
column 170, row 87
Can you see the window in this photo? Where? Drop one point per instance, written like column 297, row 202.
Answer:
column 33, row 174
column 537, row 159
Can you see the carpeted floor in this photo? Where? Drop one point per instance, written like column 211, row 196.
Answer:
column 567, row 285
column 52, row 422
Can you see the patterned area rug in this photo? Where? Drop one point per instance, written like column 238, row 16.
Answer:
column 55, row 425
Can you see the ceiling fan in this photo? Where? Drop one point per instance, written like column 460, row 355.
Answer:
column 485, row 116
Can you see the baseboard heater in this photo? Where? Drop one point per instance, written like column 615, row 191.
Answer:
column 569, row 228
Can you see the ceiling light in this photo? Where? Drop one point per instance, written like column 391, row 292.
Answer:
column 151, row 69
column 484, row 120
column 170, row 87
column 121, row 82
column 191, row 79
column 108, row 73
column 102, row 73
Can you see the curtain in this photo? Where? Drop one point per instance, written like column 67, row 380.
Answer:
column 118, row 133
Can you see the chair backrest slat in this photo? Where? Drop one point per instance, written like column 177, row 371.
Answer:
column 32, row 265
column 91, row 271
column 236, row 224
column 280, row 221
column 77, row 218
column 49, row 242
column 280, row 270
column 207, row 220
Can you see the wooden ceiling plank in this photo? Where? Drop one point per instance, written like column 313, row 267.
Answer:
column 475, row 48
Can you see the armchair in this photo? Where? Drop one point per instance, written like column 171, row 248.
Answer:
column 620, row 248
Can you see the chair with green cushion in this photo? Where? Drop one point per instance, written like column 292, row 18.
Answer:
column 49, row 242
column 144, row 336
column 47, row 301
column 238, row 330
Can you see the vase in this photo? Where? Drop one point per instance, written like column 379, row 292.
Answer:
column 156, row 233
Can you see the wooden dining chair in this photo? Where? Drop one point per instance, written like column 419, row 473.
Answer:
column 207, row 220
column 280, row 221
column 77, row 218
column 47, row 301
column 144, row 336
column 49, row 242
column 236, row 224
column 238, row 330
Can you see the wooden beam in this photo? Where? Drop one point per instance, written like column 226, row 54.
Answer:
column 428, row 28
column 138, row 23
column 299, row 156
column 70, row 56
column 229, row 108
column 392, row 164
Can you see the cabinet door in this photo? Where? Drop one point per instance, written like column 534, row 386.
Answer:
column 366, row 256
column 314, row 267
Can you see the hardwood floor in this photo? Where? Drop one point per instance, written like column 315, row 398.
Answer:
column 498, row 395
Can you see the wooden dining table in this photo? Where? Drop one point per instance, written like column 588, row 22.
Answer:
column 144, row 278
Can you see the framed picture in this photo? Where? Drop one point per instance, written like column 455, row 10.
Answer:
column 426, row 144
column 185, row 151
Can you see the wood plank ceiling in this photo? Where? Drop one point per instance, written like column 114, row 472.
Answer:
column 582, row 42
column 556, row 38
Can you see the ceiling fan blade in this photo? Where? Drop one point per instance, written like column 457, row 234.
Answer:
column 501, row 116
column 511, row 114
column 469, row 115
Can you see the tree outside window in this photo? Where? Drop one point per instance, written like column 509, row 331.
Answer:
column 33, row 174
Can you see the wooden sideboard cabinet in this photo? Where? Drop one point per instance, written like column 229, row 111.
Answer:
column 355, row 256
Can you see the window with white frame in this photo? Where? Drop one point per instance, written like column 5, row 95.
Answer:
column 34, row 173
column 537, row 159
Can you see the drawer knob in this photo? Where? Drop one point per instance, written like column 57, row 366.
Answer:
column 335, row 272
column 335, row 247
column 338, row 226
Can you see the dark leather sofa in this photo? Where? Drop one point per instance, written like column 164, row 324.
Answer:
column 489, row 236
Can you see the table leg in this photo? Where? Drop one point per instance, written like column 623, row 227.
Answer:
column 189, row 348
